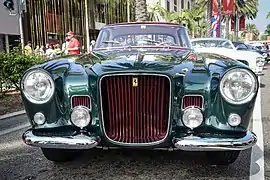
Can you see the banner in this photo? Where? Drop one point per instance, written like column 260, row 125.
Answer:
column 215, row 8
column 215, row 28
column 242, row 23
column 228, row 6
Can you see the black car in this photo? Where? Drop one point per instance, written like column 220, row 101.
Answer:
column 247, row 47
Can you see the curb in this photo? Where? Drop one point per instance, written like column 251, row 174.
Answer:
column 12, row 114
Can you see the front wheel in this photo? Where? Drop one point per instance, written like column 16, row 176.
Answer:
column 222, row 157
column 60, row 155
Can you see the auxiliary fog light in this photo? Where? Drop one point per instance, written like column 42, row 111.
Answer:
column 234, row 119
column 80, row 116
column 39, row 118
column 192, row 117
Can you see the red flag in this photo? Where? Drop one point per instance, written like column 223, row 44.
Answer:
column 242, row 23
column 215, row 7
column 228, row 7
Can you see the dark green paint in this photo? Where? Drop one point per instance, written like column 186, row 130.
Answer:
column 81, row 77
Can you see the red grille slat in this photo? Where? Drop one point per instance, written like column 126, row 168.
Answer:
column 81, row 101
column 135, row 114
column 192, row 100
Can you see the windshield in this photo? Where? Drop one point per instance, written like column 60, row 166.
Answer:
column 140, row 35
column 211, row 43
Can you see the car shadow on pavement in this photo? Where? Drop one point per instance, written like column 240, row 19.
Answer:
column 155, row 164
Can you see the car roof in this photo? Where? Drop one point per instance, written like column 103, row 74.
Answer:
column 209, row 38
column 145, row 22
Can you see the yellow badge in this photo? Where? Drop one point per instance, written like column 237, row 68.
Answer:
column 135, row 82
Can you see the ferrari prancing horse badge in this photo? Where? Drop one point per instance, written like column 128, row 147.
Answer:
column 135, row 82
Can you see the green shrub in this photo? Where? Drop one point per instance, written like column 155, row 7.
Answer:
column 13, row 65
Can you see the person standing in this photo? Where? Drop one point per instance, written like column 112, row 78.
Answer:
column 73, row 46
column 28, row 49
column 64, row 47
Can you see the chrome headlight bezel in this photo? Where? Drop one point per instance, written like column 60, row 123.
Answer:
column 252, row 92
column 31, row 98
column 260, row 61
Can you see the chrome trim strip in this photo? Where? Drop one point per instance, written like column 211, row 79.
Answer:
column 71, row 107
column 71, row 142
column 194, row 143
column 169, row 115
column 194, row 106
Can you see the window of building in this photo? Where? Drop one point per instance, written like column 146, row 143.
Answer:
column 182, row 4
column 168, row 5
column 188, row 5
column 175, row 5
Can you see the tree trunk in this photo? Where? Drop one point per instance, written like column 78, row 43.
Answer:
column 227, row 31
column 209, row 17
column 141, row 10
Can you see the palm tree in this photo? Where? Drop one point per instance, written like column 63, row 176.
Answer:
column 251, row 29
column 209, row 17
column 192, row 19
column 267, row 30
column 141, row 10
column 247, row 8
column 268, row 15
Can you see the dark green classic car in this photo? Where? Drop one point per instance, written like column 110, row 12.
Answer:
column 141, row 87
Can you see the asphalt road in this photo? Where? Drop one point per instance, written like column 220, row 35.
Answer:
column 18, row 161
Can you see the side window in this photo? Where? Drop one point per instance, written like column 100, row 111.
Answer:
column 241, row 47
column 103, row 37
column 184, row 40
column 227, row 45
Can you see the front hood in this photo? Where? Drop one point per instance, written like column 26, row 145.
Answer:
column 172, row 63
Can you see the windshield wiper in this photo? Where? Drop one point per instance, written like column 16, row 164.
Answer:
column 112, row 42
column 149, row 40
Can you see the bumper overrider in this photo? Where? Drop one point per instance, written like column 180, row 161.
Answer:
column 189, row 143
column 80, row 141
column 194, row 143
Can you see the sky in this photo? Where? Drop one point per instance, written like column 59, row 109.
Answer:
column 261, row 21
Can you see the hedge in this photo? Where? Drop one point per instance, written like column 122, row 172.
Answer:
column 13, row 65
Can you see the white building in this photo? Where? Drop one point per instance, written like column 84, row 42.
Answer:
column 172, row 5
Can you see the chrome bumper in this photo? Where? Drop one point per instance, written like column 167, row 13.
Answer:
column 71, row 142
column 194, row 143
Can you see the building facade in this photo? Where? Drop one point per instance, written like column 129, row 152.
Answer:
column 173, row 5
column 49, row 21
column 9, row 28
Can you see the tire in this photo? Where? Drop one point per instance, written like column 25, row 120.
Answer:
column 222, row 157
column 60, row 155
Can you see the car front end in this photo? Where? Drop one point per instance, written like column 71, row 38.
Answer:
column 155, row 98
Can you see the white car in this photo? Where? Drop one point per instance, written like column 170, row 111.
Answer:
column 225, row 47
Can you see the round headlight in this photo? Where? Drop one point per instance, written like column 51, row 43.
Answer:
column 238, row 86
column 260, row 61
column 37, row 86
column 192, row 117
column 80, row 116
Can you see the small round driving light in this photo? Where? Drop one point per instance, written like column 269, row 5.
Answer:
column 80, row 116
column 192, row 117
column 39, row 118
column 234, row 119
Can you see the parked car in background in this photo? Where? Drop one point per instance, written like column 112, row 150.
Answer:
column 240, row 46
column 225, row 47
column 141, row 87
